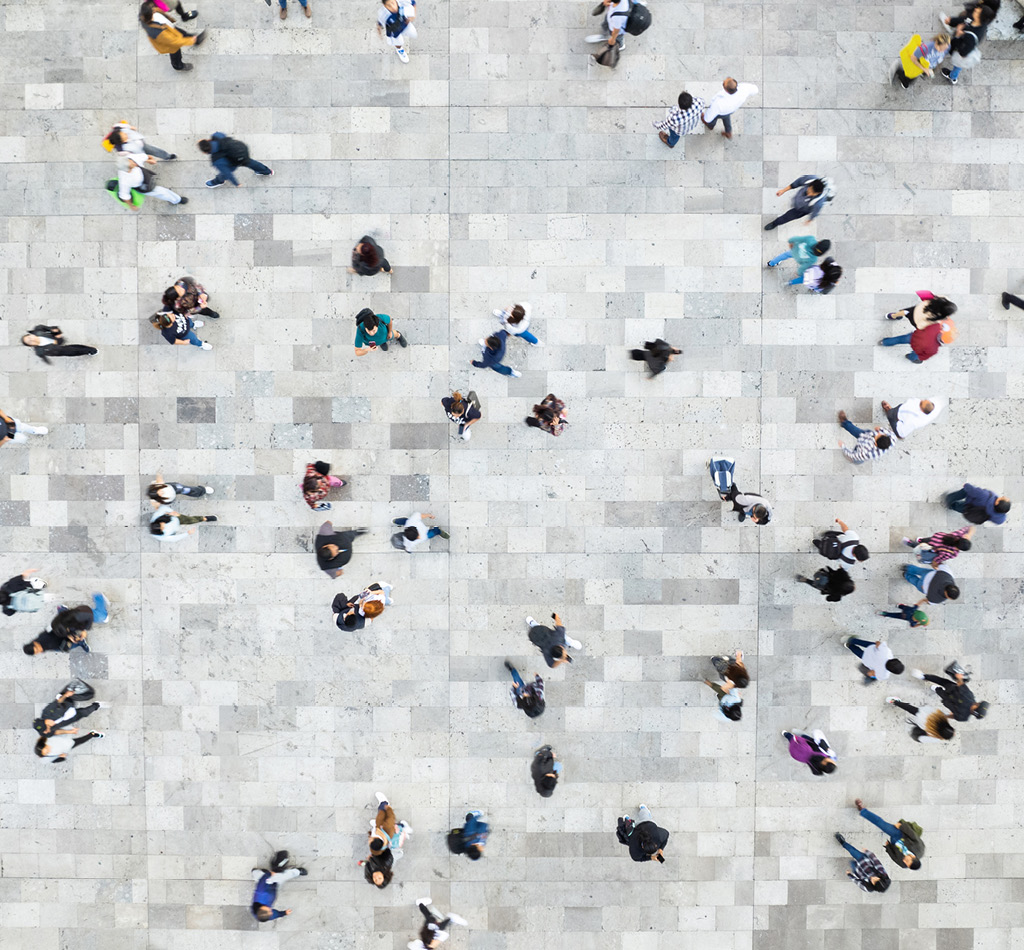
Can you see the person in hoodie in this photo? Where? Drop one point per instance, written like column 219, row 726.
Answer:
column 227, row 155
column 492, row 352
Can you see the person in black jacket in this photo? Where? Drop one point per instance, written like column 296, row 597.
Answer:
column 227, row 155
column 646, row 841
column 368, row 258
column 529, row 697
column 657, row 355
column 346, row 613
column 545, row 770
column 49, row 341
column 16, row 585
column 63, row 711
column 833, row 582
column 954, row 693
column 334, row 548
column 970, row 30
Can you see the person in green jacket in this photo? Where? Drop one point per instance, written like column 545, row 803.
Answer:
column 804, row 250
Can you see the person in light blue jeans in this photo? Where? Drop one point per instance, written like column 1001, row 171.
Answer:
column 805, row 250
column 915, row 574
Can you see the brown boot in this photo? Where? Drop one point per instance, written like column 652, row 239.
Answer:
column 307, row 11
column 727, row 135
column 284, row 13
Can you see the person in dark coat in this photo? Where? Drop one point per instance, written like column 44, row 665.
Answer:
column 647, row 840
column 47, row 342
column 334, row 548
column 62, row 711
column 368, row 258
column 474, row 835
column 545, row 770
column 17, row 584
column 552, row 643
column 346, row 613
column 834, row 583
column 978, row 505
column 227, row 155
column 657, row 355
column 956, row 696
column 529, row 697
column 265, row 892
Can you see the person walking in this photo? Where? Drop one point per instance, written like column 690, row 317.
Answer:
column 372, row 600
column 613, row 25
column 924, row 344
column 943, row 545
column 70, row 627
column 179, row 329
column 227, row 155
column 545, row 769
column 22, row 593
column 871, row 444
column 748, row 504
column 62, row 741
column 529, row 697
column 395, row 23
column 166, row 524
column 187, row 295
column 930, row 309
column 937, row 586
column 14, row 430
column 811, row 194
column 730, row 703
column 549, row 415
column 316, row 484
column 925, row 57
column 415, row 532
column 657, row 355
column 977, row 505
column 47, row 342
column 684, row 117
column 164, row 36
column 492, row 352
column 804, row 251
column 904, row 845
column 877, row 659
column 160, row 492
column 62, row 711
column 954, row 692
column 908, row 612
column 267, row 882
column 465, row 412
column 969, row 31
column 645, row 839
column 334, row 548
column 866, row 870
column 126, row 138
column 374, row 330
column 843, row 545
column 552, row 643
column 368, row 258
column 473, row 835
column 134, row 182
column 516, row 320
column 912, row 415
column 820, row 278
column 385, row 838
column 434, row 931
column 732, row 669
column 302, row 3
column 930, row 724
column 813, row 750
column 726, row 102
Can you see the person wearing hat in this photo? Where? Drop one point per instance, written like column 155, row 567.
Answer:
column 954, row 693
column 545, row 770
column 374, row 330
column 22, row 593
column 909, row 612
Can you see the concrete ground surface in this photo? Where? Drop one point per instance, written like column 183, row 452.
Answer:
column 499, row 166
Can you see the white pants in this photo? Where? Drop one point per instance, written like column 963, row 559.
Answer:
column 643, row 814
column 409, row 33
column 164, row 194
column 22, row 430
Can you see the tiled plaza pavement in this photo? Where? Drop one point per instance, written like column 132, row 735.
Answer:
column 497, row 166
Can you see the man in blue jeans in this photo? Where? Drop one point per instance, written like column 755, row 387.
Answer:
column 265, row 893
column 937, row 586
column 491, row 354
column 682, row 118
column 904, row 845
column 227, row 155
column 871, row 443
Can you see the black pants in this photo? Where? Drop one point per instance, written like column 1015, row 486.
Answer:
column 82, row 740
column 1016, row 301
column 66, row 349
column 790, row 215
column 913, row 710
column 81, row 712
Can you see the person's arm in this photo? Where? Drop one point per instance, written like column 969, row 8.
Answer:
column 842, row 525
column 65, row 732
column 782, row 191
column 409, row 10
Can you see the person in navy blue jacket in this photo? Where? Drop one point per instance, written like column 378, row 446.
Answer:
column 265, row 894
column 474, row 835
column 226, row 155
column 979, row 505
column 492, row 353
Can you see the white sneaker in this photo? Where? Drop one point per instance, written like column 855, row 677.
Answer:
column 428, row 900
column 530, row 622
column 103, row 705
column 456, row 919
column 198, row 323
column 467, row 435
column 892, row 699
column 406, row 827
column 402, row 55
column 538, row 343
column 917, row 674
column 207, row 346
column 41, row 430
column 574, row 644
column 516, row 373
column 381, row 797
column 596, row 38
column 209, row 490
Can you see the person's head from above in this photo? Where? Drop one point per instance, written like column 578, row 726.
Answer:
column 823, row 764
column 951, row 592
column 162, row 492
column 983, row 14
column 955, row 541
column 927, row 407
column 1002, row 504
column 548, row 782
column 351, row 620
column 894, row 666
column 822, row 247
column 736, row 673
column 162, row 320
column 558, row 653
column 517, row 315
column 368, row 253
column 759, row 514
column 391, row 5
column 684, row 101
column 458, row 406
column 311, row 483
column 30, row 339
column 330, row 551
column 940, row 307
column 941, row 41
column 157, row 527
column 831, row 270
column 377, row 844
column 815, row 187
column 116, row 137
column 372, row 608
column 492, row 343
column 146, row 11
column 41, row 748
column 264, row 913
column 980, row 710
column 730, row 85
column 205, row 146
column 411, row 533
column 882, row 440
column 367, row 319
column 475, row 852
column 861, row 553
column 33, row 648
column 381, row 879
column 911, row 862
column 733, row 712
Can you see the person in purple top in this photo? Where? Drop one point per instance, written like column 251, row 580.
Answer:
column 814, row 751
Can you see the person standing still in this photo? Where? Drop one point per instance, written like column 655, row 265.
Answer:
column 725, row 103
column 302, row 3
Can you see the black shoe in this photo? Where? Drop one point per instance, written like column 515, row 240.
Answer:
column 184, row 201
column 1019, row 25
column 200, row 39
column 1006, row 300
column 184, row 67
column 211, row 517
column 402, row 342
column 509, row 666
column 190, row 16
column 171, row 157
column 770, row 227
column 302, row 872
column 280, row 861
column 212, row 314
column 840, row 838
column 384, row 346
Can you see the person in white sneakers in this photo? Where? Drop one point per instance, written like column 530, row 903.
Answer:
column 385, row 840
column 434, row 931
column 415, row 532
column 265, row 893
column 516, row 319
column 14, row 430
column 394, row 22
column 552, row 643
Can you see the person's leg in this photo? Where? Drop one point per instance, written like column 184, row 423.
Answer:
column 719, row 692
column 855, row 431
column 157, row 152
column 852, row 851
column 927, row 557
column 176, row 60
column 23, row 429
column 207, row 312
column 516, row 678
column 791, row 215
column 727, row 124
column 779, row 258
column 258, row 167
column 164, row 194
column 217, row 179
column 957, row 500
column 502, row 368
column 191, row 519
column 335, row 482
column 906, row 707
column 896, row 616
column 643, row 814
column 1009, row 299
column 82, row 711
column 796, row 280
column 282, row 3
column 914, row 358
column 71, row 349
column 891, row 830
column 673, row 138
column 857, row 647
column 82, row 740
column 278, row 876
column 529, row 337
column 193, row 491
column 915, row 574
column 193, row 339
column 100, row 611
column 896, row 340
column 954, row 74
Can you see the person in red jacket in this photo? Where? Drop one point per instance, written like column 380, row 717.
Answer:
column 924, row 343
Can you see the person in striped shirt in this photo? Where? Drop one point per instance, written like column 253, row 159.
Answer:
column 944, row 545
column 871, row 444
column 683, row 118
column 866, row 870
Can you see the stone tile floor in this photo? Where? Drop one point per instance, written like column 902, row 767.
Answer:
column 499, row 166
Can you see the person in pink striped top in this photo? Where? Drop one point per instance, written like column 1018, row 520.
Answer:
column 943, row 545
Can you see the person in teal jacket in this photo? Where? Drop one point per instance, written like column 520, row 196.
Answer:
column 804, row 250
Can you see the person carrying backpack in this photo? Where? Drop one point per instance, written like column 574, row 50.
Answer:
column 620, row 17
column 394, row 22
column 645, row 840
column 22, row 594
column 227, row 154
column 63, row 711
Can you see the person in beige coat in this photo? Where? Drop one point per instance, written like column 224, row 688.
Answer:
column 165, row 37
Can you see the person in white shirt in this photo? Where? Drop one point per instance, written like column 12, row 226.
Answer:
column 616, row 12
column 131, row 176
column 57, row 746
column 877, row 660
column 416, row 532
column 126, row 138
column 516, row 319
column 166, row 524
column 845, row 546
column 434, row 931
column 394, row 22
column 725, row 103
column 912, row 415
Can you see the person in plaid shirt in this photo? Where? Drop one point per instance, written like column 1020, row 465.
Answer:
column 317, row 483
column 945, row 545
column 529, row 697
column 871, row 443
column 866, row 870
column 685, row 117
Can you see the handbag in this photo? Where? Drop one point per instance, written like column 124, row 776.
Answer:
column 609, row 56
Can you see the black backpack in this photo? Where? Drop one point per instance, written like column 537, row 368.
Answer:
column 455, row 844
column 624, row 830
column 638, row 20
column 234, row 151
